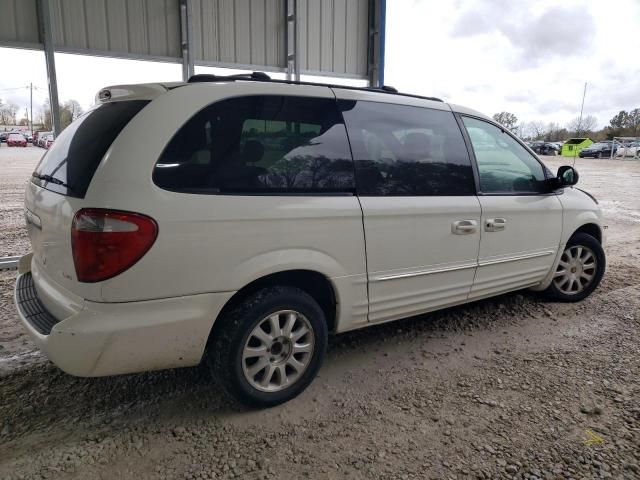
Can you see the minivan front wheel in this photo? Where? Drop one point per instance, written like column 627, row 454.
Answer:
column 269, row 348
column 579, row 270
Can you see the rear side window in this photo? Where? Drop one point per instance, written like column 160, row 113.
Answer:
column 407, row 151
column 260, row 145
column 69, row 165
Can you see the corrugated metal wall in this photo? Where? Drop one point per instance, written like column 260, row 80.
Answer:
column 18, row 21
column 248, row 32
column 133, row 27
column 333, row 36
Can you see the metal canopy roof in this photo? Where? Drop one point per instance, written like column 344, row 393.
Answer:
column 340, row 38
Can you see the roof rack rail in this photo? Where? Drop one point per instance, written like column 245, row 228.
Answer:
column 206, row 77
column 263, row 77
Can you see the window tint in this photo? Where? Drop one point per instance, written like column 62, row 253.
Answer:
column 402, row 150
column 260, row 144
column 69, row 165
column 504, row 165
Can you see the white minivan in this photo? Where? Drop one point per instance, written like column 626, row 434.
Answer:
column 238, row 221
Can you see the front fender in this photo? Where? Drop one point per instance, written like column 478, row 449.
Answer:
column 578, row 209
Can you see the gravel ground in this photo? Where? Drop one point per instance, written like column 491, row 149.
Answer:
column 512, row 387
column 16, row 166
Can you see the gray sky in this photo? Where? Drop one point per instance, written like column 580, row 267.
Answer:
column 527, row 57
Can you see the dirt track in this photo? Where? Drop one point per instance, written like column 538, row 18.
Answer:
column 504, row 388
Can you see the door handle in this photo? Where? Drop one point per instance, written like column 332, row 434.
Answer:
column 495, row 224
column 464, row 227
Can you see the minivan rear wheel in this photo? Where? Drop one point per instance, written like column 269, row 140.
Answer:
column 269, row 348
column 580, row 270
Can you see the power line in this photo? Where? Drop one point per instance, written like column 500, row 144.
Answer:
column 26, row 87
column 13, row 88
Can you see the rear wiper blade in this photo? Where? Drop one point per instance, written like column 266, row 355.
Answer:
column 48, row 178
column 51, row 179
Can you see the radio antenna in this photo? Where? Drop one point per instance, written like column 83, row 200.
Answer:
column 584, row 94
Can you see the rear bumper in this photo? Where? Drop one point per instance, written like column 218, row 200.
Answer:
column 114, row 338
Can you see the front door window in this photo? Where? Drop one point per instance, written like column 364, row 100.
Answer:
column 504, row 165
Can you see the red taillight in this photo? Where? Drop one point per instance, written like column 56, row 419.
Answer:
column 105, row 243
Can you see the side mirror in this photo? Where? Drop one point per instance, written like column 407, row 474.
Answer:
column 567, row 176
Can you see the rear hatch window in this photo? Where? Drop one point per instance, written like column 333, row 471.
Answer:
column 69, row 165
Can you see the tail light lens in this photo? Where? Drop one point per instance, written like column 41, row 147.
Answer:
column 105, row 243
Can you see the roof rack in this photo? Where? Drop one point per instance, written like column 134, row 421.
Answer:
column 205, row 77
column 263, row 77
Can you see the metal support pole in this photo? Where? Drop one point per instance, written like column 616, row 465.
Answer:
column 382, row 40
column 375, row 54
column 613, row 142
column 293, row 68
column 186, row 29
column 46, row 37
column 31, row 107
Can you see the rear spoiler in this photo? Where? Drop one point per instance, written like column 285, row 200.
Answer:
column 142, row 91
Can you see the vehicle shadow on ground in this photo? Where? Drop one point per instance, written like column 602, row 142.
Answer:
column 43, row 398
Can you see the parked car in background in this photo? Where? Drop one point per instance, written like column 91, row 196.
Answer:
column 42, row 138
column 629, row 150
column 239, row 237
column 16, row 140
column 48, row 141
column 545, row 148
column 598, row 150
column 4, row 136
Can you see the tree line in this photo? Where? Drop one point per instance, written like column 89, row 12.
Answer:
column 69, row 111
column 624, row 124
column 8, row 113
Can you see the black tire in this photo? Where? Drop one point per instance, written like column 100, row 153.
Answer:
column 225, row 348
column 596, row 155
column 585, row 240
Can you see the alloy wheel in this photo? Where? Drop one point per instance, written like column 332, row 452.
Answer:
column 576, row 270
column 278, row 351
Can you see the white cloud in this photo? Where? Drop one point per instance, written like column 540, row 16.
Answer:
column 531, row 58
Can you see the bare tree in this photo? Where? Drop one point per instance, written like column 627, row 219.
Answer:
column 589, row 123
column 538, row 130
column 69, row 111
column 555, row 132
column 523, row 131
column 8, row 113
column 506, row 119
column 582, row 127
column 74, row 108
